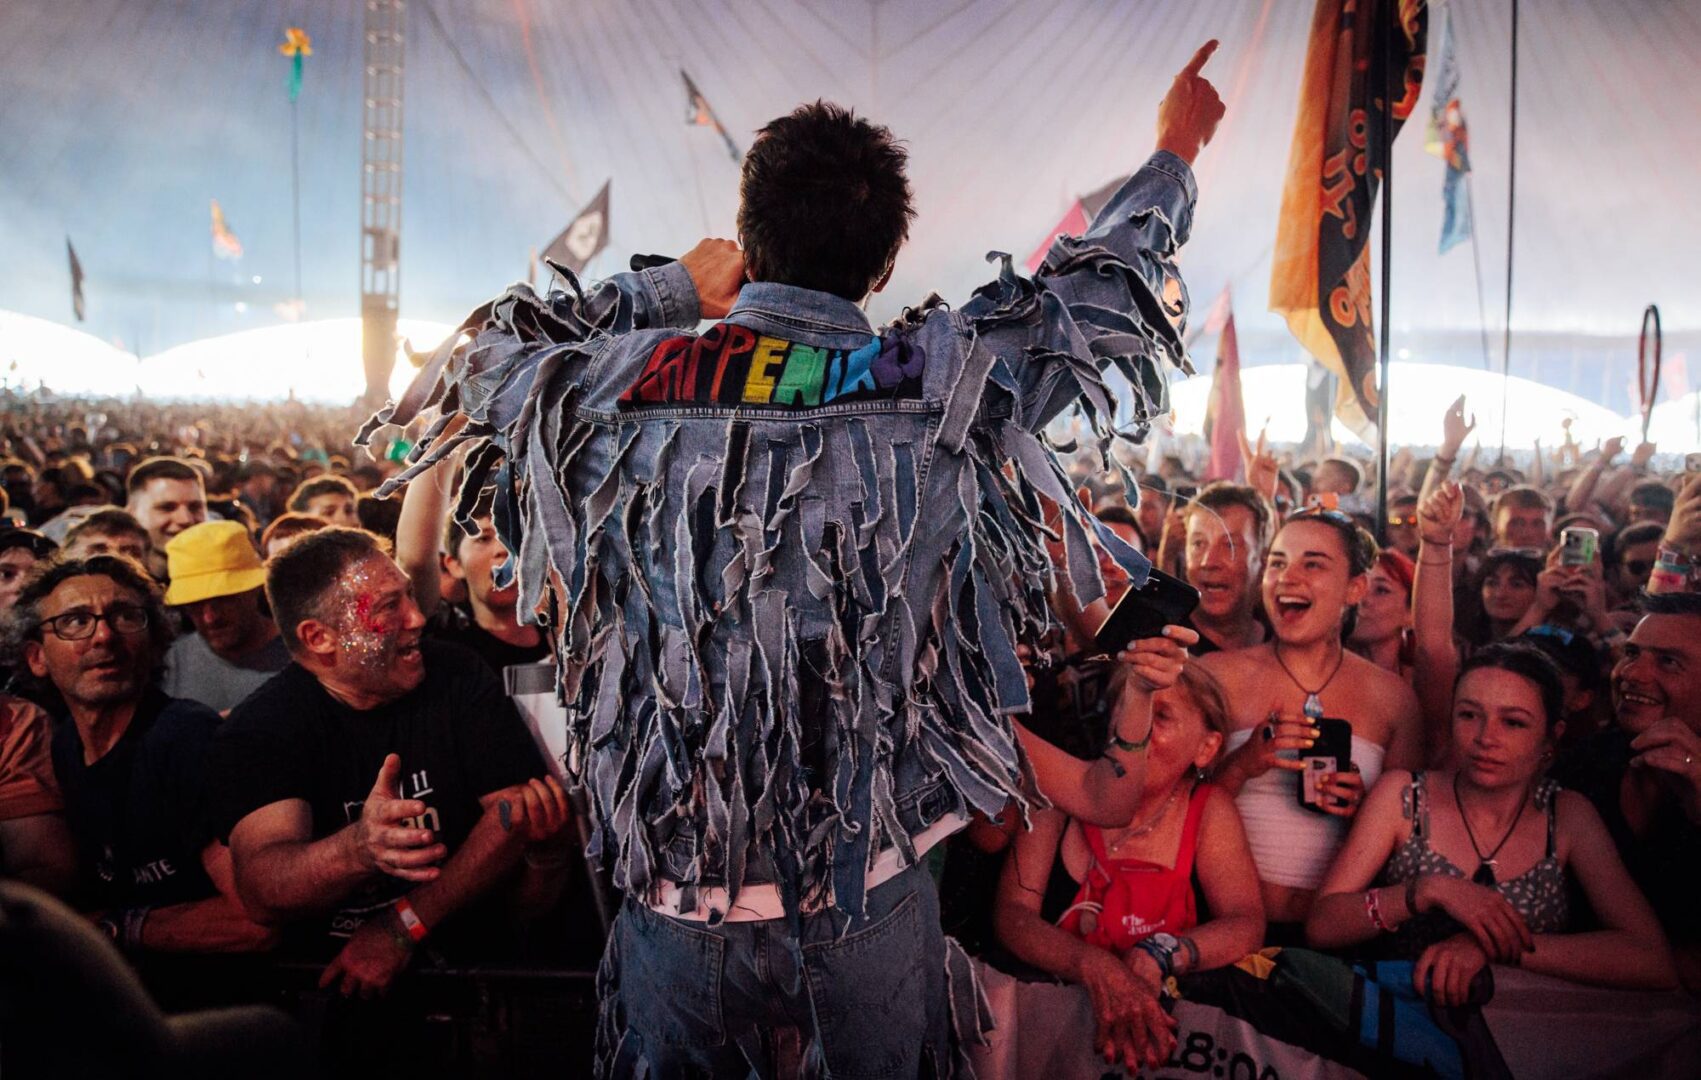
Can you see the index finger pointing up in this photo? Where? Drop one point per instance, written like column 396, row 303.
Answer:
column 1199, row 58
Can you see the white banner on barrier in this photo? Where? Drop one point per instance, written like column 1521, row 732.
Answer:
column 1046, row 1030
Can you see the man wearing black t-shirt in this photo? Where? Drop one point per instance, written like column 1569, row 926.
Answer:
column 130, row 761
column 459, row 810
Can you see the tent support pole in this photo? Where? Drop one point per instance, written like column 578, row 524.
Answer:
column 1385, row 163
column 1511, row 216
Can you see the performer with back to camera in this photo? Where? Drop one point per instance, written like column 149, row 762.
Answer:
column 786, row 564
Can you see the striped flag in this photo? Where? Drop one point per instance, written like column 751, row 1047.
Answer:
column 1448, row 140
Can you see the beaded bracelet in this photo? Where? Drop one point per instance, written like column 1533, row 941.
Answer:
column 1373, row 908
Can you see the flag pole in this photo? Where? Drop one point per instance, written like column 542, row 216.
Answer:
column 1511, row 209
column 1384, row 162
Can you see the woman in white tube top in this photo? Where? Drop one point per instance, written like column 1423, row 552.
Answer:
column 1314, row 575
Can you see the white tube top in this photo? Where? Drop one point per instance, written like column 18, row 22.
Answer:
column 1291, row 845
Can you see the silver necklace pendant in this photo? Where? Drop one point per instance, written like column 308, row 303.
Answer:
column 1313, row 707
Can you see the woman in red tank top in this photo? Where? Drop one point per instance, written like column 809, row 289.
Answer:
column 1119, row 910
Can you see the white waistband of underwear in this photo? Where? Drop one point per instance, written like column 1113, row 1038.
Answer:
column 757, row 903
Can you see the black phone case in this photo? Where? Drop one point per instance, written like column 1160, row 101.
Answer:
column 1143, row 613
column 1334, row 741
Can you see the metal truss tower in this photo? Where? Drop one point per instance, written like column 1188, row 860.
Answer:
column 381, row 193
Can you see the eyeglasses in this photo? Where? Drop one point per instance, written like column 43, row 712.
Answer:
column 1396, row 521
column 1535, row 554
column 78, row 625
column 1639, row 568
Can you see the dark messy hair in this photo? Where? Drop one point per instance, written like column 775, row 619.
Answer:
column 299, row 577
column 1221, row 495
column 327, row 484
column 824, row 201
column 1681, row 603
column 161, row 468
column 1528, row 662
column 1360, row 546
column 23, row 622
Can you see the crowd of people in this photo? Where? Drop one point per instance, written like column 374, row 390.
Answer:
column 832, row 683
column 249, row 710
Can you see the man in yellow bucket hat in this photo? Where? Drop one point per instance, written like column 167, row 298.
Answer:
column 218, row 581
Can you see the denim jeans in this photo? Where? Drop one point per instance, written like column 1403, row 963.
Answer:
column 841, row 998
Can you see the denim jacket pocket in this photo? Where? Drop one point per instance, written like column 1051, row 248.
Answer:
column 670, row 975
column 865, row 988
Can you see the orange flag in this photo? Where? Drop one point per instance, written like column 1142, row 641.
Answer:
column 1320, row 274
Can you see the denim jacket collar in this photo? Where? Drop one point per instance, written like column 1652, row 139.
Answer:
column 820, row 311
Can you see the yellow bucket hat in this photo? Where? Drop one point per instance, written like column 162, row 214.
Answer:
column 214, row 558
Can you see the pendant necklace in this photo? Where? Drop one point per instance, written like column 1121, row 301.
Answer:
column 1313, row 704
column 1149, row 825
column 1486, row 863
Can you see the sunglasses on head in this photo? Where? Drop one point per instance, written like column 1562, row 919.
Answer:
column 1558, row 633
column 1533, row 554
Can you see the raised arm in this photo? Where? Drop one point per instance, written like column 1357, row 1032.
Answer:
column 1432, row 614
column 1583, row 488
column 419, row 529
column 1454, row 429
column 1106, row 791
column 1112, row 296
column 483, row 371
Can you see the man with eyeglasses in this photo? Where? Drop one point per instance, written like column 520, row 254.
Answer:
column 129, row 760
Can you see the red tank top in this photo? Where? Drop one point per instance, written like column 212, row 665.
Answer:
column 1124, row 900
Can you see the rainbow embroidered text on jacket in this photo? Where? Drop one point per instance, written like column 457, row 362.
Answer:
column 786, row 562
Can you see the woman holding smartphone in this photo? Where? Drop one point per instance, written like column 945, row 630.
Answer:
column 1475, row 865
column 1119, row 910
column 1286, row 693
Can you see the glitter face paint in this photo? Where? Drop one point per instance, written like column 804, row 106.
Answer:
column 370, row 608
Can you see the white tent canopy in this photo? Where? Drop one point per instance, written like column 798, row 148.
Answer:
column 1423, row 393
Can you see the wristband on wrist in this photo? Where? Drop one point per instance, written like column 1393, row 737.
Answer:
column 1447, row 461
column 1191, row 949
column 1373, row 908
column 412, row 924
column 1162, row 949
column 131, row 927
column 1130, row 747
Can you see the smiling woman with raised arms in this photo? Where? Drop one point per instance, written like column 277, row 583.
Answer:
column 1314, row 577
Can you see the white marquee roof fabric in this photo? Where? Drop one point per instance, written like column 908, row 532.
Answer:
column 120, row 120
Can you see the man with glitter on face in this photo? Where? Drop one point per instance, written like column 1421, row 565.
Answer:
column 381, row 792
column 787, row 562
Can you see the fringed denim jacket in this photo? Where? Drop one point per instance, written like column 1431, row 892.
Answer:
column 785, row 562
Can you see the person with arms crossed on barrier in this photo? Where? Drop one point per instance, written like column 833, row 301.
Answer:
column 130, row 760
